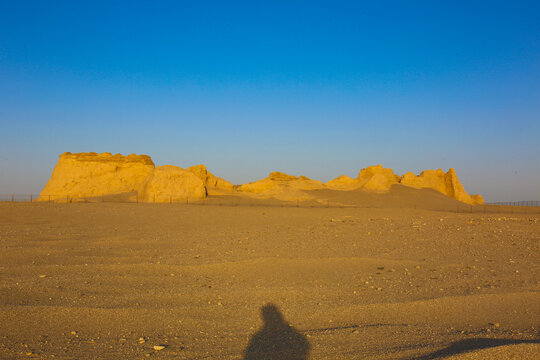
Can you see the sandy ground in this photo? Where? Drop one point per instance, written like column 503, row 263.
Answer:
column 111, row 281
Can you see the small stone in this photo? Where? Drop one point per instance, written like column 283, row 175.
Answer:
column 42, row 276
column 159, row 347
column 73, row 333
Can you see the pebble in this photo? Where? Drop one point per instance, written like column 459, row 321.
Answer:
column 42, row 276
column 159, row 347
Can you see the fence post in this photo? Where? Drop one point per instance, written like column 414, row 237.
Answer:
column 30, row 197
column 12, row 197
column 49, row 199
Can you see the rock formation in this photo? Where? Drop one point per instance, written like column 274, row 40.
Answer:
column 446, row 183
column 170, row 183
column 83, row 176
column 477, row 199
column 374, row 178
column 343, row 182
column 87, row 175
column 282, row 186
column 214, row 185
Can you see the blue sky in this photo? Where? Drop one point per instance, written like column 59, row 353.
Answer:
column 318, row 88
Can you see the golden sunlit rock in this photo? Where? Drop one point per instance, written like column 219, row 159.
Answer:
column 282, row 186
column 171, row 183
column 446, row 183
column 86, row 175
column 214, row 185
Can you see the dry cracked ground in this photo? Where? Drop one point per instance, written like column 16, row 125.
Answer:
column 172, row 281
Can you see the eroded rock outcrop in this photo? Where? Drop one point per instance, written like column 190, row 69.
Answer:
column 379, row 179
column 282, row 186
column 86, row 175
column 477, row 199
column 83, row 176
column 170, row 183
column 214, row 185
column 446, row 183
column 343, row 182
column 373, row 178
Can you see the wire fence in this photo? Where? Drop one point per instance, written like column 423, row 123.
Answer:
column 516, row 203
column 517, row 207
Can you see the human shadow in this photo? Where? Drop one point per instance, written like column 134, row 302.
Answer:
column 467, row 345
column 276, row 339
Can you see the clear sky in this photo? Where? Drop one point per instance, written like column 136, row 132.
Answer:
column 315, row 88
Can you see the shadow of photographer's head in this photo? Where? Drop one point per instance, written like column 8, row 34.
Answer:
column 276, row 339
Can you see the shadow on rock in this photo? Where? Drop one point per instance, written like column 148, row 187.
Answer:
column 464, row 346
column 276, row 339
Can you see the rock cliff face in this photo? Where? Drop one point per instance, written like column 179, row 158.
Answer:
column 171, row 183
column 82, row 176
column 214, row 185
column 376, row 178
column 87, row 175
column 446, row 183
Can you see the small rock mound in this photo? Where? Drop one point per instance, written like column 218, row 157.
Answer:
column 282, row 186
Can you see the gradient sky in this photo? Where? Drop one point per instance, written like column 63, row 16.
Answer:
column 315, row 88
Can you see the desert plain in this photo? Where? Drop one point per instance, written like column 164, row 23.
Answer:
column 403, row 275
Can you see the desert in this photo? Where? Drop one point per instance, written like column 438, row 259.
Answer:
column 355, row 274
column 269, row 180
